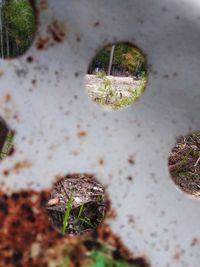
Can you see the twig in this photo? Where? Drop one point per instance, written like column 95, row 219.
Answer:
column 196, row 163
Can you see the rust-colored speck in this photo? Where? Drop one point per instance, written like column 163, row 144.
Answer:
column 7, row 98
column 19, row 166
column 131, row 220
column 194, row 242
column 131, row 160
column 57, row 31
column 42, row 43
column 101, row 162
column 6, row 172
column 43, row 4
column 82, row 134
column 111, row 213
column 177, row 256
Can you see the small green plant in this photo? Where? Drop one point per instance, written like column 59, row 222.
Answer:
column 106, row 94
column 129, row 100
column 103, row 258
column 80, row 219
column 101, row 74
column 67, row 213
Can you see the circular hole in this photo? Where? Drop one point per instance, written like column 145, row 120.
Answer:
column 77, row 204
column 184, row 164
column 6, row 140
column 117, row 76
column 17, row 27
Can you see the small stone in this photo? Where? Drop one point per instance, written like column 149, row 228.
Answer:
column 77, row 200
column 53, row 201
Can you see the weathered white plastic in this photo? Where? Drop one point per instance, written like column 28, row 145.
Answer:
column 49, row 115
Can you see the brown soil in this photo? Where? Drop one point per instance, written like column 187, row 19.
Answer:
column 184, row 164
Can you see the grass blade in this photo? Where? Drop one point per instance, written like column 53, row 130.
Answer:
column 80, row 212
column 87, row 221
column 67, row 213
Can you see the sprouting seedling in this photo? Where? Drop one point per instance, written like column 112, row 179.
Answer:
column 67, row 213
column 80, row 213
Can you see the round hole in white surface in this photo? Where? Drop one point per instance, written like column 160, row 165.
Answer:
column 77, row 204
column 184, row 164
column 117, row 76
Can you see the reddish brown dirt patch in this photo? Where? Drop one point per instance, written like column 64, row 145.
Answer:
column 57, row 32
column 42, row 42
column 82, row 134
column 22, row 223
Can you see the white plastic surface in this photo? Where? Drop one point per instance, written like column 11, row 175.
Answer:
column 49, row 115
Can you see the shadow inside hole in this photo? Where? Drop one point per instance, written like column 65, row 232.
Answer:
column 77, row 204
column 184, row 164
column 17, row 27
column 6, row 140
column 117, row 76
